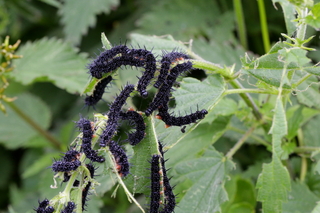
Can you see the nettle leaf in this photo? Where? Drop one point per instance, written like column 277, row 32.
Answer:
column 208, row 175
column 139, row 182
column 14, row 131
column 268, row 68
column 194, row 18
column 314, row 18
column 273, row 184
column 279, row 128
column 309, row 93
column 157, row 44
column 289, row 15
column 79, row 15
column 54, row 61
column 195, row 95
column 297, row 203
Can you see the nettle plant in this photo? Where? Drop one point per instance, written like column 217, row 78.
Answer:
column 183, row 119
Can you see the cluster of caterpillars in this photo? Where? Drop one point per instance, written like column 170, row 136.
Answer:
column 170, row 67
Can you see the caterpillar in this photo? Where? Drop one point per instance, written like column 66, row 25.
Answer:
column 135, row 117
column 85, row 191
column 69, row 207
column 120, row 156
column 87, row 134
column 155, row 185
column 114, row 115
column 97, row 94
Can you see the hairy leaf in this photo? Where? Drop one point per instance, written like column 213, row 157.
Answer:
column 273, row 184
column 54, row 61
column 79, row 15
column 208, row 175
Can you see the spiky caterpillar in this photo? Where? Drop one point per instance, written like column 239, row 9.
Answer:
column 87, row 134
column 155, row 185
column 120, row 156
column 138, row 135
column 98, row 91
column 161, row 97
column 114, row 115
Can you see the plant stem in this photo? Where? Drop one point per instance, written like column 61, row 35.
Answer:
column 301, row 32
column 301, row 80
column 241, row 27
column 238, row 91
column 247, row 99
column 38, row 128
column 240, row 142
column 264, row 26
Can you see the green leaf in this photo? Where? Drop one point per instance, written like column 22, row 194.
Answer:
column 208, row 175
column 273, row 184
column 300, row 199
column 309, row 93
column 79, row 15
column 14, row 131
column 314, row 18
column 279, row 128
column 195, row 18
column 317, row 208
column 294, row 123
column 241, row 193
column 195, row 95
column 39, row 165
column 289, row 15
column 157, row 44
column 54, row 61
column 294, row 55
column 140, row 182
column 311, row 133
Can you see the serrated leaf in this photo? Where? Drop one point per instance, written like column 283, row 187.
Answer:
column 279, row 128
column 273, row 184
column 193, row 94
column 298, row 203
column 79, row 15
column 194, row 18
column 157, row 44
column 268, row 68
column 54, row 61
column 289, row 15
column 14, row 131
column 207, row 192
column 140, row 182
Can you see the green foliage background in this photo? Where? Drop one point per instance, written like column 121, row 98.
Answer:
column 59, row 38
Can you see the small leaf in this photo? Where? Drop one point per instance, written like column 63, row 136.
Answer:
column 314, row 18
column 273, row 184
column 54, row 61
column 208, row 175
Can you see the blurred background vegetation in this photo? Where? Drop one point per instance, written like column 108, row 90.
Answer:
column 75, row 26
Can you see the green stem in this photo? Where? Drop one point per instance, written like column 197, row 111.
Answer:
column 301, row 80
column 247, row 99
column 254, row 137
column 301, row 32
column 241, row 27
column 264, row 26
column 38, row 128
column 260, row 91
column 240, row 142
column 305, row 149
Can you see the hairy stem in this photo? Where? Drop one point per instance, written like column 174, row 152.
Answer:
column 238, row 91
column 241, row 27
column 35, row 126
